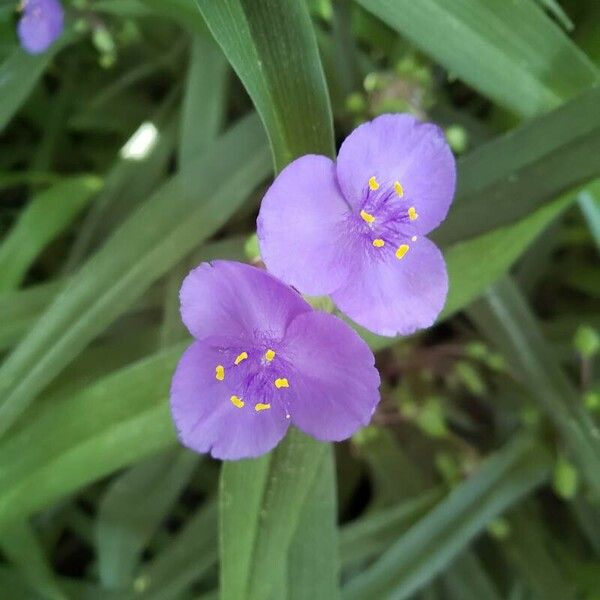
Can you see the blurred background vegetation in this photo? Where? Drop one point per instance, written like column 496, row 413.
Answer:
column 140, row 144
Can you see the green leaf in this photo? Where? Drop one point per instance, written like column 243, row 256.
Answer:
column 204, row 101
column 470, row 276
column 21, row 546
column 133, row 507
column 272, row 47
column 528, row 547
column 18, row 75
column 130, row 180
column 509, row 51
column 260, row 506
column 525, row 169
column 184, row 560
column 313, row 561
column 370, row 535
column 466, row 579
column 425, row 550
column 99, row 433
column 47, row 215
column 505, row 318
column 161, row 232
column 21, row 309
column 393, row 476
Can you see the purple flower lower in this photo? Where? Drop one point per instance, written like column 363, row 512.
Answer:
column 355, row 229
column 40, row 25
column 264, row 359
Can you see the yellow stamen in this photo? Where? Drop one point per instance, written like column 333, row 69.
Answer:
column 399, row 189
column 270, row 355
column 237, row 402
column 282, row 382
column 378, row 243
column 366, row 216
column 258, row 407
column 240, row 358
column 412, row 213
column 413, row 238
column 373, row 183
column 220, row 372
column 402, row 250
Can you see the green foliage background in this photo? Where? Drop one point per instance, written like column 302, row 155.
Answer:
column 479, row 478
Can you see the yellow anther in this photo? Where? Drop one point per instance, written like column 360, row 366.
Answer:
column 220, row 372
column 282, row 382
column 413, row 238
column 270, row 355
column 258, row 407
column 367, row 217
column 237, row 402
column 373, row 183
column 378, row 243
column 402, row 250
column 412, row 213
column 399, row 189
column 240, row 357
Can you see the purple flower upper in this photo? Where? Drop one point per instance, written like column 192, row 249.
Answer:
column 41, row 23
column 262, row 359
column 355, row 229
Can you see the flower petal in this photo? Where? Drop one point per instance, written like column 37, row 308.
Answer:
column 300, row 226
column 207, row 420
column 42, row 22
column 391, row 296
column 334, row 390
column 399, row 148
column 231, row 299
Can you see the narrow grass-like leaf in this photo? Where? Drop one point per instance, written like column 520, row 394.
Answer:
column 505, row 318
column 272, row 47
column 133, row 507
column 21, row 309
column 470, row 276
column 510, row 51
column 435, row 540
column 527, row 548
column 48, row 214
column 99, row 433
column 21, row 546
column 313, row 560
column 524, row 169
column 260, row 506
column 18, row 75
column 163, row 230
column 204, row 100
column 466, row 579
column 372, row 534
column 188, row 556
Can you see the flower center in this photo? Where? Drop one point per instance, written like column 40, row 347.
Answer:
column 388, row 216
column 256, row 376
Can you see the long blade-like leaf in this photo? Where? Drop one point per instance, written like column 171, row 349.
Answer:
column 510, row 51
column 434, row 541
column 163, row 230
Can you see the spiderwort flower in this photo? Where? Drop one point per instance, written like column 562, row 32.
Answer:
column 262, row 359
column 41, row 23
column 355, row 229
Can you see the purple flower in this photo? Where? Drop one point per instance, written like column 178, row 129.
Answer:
column 355, row 229
column 41, row 23
column 262, row 359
